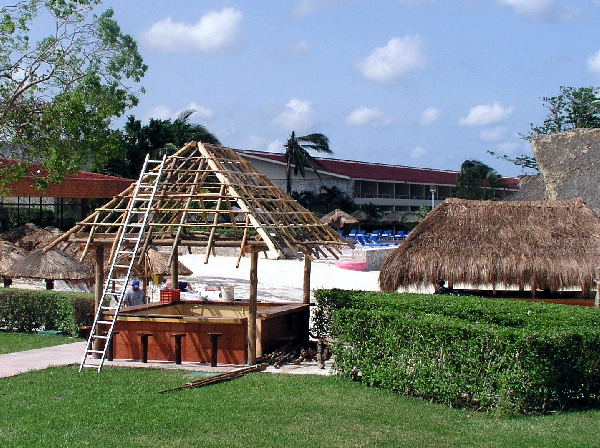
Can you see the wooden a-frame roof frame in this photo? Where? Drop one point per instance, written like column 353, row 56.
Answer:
column 210, row 196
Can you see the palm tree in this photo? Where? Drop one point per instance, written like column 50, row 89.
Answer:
column 476, row 180
column 296, row 154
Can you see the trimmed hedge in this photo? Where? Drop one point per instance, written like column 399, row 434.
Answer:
column 503, row 355
column 31, row 310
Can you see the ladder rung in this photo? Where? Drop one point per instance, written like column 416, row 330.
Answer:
column 111, row 293
column 108, row 308
column 95, row 366
column 154, row 161
column 138, row 211
column 97, row 336
column 125, row 252
column 94, row 351
column 105, row 322
column 121, row 266
column 150, row 174
column 142, row 199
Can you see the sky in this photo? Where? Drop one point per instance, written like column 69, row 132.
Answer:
column 421, row 83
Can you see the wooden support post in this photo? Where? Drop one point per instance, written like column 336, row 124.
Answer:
column 252, row 308
column 307, row 267
column 98, row 285
column 175, row 269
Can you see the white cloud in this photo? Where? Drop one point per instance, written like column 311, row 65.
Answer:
column 513, row 147
column 366, row 116
column 297, row 115
column 593, row 63
column 202, row 113
column 307, row 7
column 494, row 134
column 418, row 153
column 275, row 146
column 541, row 10
column 399, row 56
column 215, row 31
column 254, row 142
column 430, row 115
column 301, row 47
column 486, row 114
column 160, row 112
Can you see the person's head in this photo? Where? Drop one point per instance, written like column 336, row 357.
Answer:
column 439, row 283
column 135, row 284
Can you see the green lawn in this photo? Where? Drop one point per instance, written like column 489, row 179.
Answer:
column 59, row 407
column 17, row 342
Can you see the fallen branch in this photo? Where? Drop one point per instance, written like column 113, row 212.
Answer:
column 219, row 378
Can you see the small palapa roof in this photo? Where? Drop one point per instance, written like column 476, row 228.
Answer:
column 202, row 193
column 551, row 244
column 338, row 219
column 52, row 265
column 9, row 253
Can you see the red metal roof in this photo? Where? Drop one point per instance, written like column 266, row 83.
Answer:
column 82, row 184
column 380, row 171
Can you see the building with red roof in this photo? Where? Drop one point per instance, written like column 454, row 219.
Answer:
column 59, row 205
column 391, row 187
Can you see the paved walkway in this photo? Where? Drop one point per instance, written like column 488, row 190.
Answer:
column 61, row 355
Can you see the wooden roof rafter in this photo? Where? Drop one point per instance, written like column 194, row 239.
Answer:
column 206, row 190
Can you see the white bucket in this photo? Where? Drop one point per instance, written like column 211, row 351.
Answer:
column 227, row 292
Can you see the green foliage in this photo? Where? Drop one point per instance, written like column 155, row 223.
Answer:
column 31, row 310
column 156, row 138
column 59, row 94
column 507, row 356
column 476, row 181
column 327, row 200
column 572, row 108
column 297, row 155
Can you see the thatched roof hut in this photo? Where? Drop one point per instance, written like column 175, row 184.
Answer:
column 9, row 253
column 158, row 264
column 52, row 265
column 338, row 219
column 545, row 244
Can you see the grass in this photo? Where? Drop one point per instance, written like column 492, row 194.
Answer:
column 17, row 342
column 120, row 407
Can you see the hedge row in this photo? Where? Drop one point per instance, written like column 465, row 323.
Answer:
column 31, row 310
column 508, row 356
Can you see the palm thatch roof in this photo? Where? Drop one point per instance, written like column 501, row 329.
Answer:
column 9, row 253
column 338, row 219
column 202, row 192
column 548, row 244
column 568, row 165
column 54, row 264
column 158, row 264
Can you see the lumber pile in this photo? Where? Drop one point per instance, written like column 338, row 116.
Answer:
column 219, row 378
column 296, row 354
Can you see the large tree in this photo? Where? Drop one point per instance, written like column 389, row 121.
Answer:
column 298, row 158
column 59, row 94
column 572, row 108
column 156, row 138
column 476, row 180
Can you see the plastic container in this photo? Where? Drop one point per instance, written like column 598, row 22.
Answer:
column 228, row 292
column 169, row 295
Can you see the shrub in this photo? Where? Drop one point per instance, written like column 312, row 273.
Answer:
column 509, row 356
column 31, row 310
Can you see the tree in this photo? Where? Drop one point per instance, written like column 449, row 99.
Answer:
column 572, row 108
column 476, row 180
column 59, row 94
column 297, row 155
column 156, row 138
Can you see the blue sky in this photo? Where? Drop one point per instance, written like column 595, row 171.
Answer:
column 424, row 83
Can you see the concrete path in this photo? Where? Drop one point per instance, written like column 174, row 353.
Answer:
column 61, row 355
